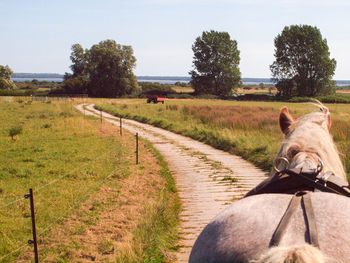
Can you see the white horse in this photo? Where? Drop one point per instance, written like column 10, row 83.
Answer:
column 243, row 232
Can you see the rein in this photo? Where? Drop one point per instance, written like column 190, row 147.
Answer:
column 326, row 182
column 301, row 183
column 303, row 198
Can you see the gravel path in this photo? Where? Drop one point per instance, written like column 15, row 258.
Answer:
column 207, row 179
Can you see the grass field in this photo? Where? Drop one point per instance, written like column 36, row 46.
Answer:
column 83, row 176
column 249, row 129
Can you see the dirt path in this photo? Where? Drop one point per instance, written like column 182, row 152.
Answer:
column 207, row 179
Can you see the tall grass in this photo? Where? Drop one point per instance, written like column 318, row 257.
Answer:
column 249, row 129
column 65, row 158
column 157, row 231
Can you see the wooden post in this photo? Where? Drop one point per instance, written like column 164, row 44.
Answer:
column 137, row 148
column 101, row 116
column 32, row 211
column 121, row 133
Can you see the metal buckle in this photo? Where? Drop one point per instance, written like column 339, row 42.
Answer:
column 278, row 161
column 319, row 166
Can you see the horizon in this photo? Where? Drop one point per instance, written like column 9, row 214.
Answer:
column 150, row 76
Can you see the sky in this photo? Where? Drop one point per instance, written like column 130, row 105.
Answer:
column 37, row 35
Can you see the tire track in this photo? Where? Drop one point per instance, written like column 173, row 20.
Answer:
column 207, row 179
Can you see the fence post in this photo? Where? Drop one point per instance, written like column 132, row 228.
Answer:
column 137, row 148
column 121, row 133
column 32, row 212
column 101, row 115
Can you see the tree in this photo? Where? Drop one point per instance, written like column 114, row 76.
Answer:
column 216, row 60
column 303, row 66
column 78, row 57
column 104, row 70
column 110, row 68
column 5, row 78
column 78, row 81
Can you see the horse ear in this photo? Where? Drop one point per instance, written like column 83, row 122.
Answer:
column 329, row 122
column 285, row 120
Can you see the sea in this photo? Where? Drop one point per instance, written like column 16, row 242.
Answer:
column 173, row 80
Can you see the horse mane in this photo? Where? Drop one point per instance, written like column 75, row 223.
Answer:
column 310, row 133
column 304, row 253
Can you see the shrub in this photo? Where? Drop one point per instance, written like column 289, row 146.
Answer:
column 15, row 131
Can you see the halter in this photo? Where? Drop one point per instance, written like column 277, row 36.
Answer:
column 280, row 160
column 314, row 178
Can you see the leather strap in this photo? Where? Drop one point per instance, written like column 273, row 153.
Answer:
column 281, row 228
column 309, row 219
column 333, row 184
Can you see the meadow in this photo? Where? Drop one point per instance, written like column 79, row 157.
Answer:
column 84, row 178
column 248, row 129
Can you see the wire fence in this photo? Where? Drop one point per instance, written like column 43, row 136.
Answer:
column 88, row 192
column 74, row 205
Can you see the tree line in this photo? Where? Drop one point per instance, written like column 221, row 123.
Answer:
column 302, row 66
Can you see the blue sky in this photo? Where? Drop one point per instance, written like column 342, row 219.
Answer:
column 36, row 36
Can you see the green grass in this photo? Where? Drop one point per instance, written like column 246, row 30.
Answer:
column 156, row 233
column 65, row 158
column 58, row 154
column 248, row 129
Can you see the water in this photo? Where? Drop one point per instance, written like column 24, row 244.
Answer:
column 173, row 80
column 39, row 79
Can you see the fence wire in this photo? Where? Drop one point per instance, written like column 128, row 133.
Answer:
column 74, row 205
column 13, row 251
column 89, row 192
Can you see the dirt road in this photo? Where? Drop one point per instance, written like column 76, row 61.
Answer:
column 207, row 179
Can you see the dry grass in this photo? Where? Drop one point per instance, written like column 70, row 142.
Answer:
column 100, row 201
column 237, row 117
column 104, row 228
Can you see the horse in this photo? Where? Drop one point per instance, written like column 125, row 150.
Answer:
column 244, row 231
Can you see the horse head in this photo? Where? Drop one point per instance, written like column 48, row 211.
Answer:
column 307, row 142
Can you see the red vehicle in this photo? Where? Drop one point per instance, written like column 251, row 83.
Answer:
column 155, row 98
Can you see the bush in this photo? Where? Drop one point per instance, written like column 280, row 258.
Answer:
column 324, row 99
column 7, row 84
column 208, row 96
column 15, row 131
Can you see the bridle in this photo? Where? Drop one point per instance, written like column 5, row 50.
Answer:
column 285, row 160
column 314, row 179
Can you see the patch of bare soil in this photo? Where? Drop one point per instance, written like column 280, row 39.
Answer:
column 207, row 179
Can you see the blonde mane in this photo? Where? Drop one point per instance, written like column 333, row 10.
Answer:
column 310, row 134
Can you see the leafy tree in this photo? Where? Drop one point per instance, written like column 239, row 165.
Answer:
column 5, row 78
column 110, row 68
column 78, row 81
column 77, row 84
column 303, row 66
column 216, row 60
column 105, row 70
column 78, row 58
